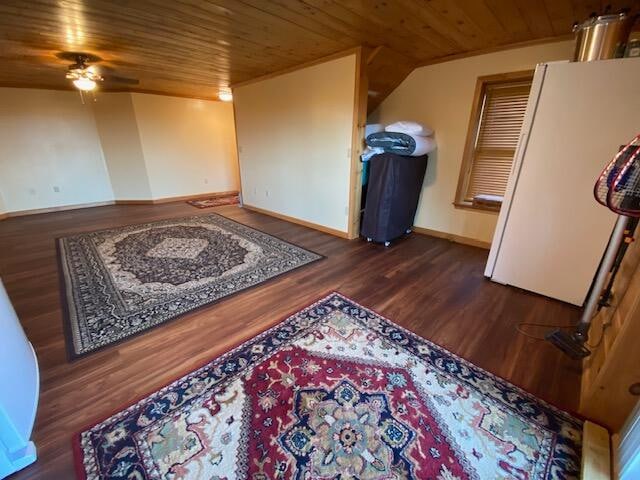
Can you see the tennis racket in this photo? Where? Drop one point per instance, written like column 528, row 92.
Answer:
column 613, row 168
column 623, row 196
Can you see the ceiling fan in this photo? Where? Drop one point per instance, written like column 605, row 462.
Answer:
column 86, row 76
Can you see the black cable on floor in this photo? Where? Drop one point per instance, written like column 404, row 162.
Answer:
column 531, row 324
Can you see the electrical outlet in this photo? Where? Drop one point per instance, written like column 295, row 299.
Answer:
column 266, row 193
column 206, row 181
column 56, row 189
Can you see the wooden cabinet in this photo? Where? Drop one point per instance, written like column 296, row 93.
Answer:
column 611, row 375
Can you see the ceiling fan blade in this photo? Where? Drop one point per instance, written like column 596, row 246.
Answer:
column 74, row 56
column 123, row 80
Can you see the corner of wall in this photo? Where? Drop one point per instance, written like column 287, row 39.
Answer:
column 122, row 146
column 145, row 154
column 105, row 165
column 147, row 182
column 187, row 145
column 3, row 208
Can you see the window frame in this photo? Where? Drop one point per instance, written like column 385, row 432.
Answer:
column 482, row 83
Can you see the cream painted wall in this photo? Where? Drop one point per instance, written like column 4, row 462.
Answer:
column 123, row 146
column 3, row 209
column 440, row 96
column 120, row 140
column 294, row 138
column 48, row 139
column 188, row 145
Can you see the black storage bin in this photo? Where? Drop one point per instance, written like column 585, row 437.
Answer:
column 394, row 188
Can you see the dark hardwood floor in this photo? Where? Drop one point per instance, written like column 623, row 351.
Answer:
column 429, row 285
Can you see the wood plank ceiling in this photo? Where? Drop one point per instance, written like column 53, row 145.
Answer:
column 195, row 47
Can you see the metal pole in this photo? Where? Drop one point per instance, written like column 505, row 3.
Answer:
column 582, row 330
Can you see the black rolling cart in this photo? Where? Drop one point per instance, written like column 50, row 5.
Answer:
column 395, row 183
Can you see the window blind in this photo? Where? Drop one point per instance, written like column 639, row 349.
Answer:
column 502, row 114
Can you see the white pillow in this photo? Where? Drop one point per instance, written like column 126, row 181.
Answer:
column 410, row 128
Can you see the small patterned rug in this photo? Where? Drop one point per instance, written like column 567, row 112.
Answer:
column 335, row 392
column 215, row 201
column 123, row 281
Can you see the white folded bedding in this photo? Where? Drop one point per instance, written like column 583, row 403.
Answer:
column 373, row 128
column 410, row 128
column 402, row 143
column 424, row 145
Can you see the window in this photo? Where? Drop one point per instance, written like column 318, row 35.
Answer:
column 494, row 129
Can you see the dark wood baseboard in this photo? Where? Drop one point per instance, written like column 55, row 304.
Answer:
column 453, row 237
column 297, row 221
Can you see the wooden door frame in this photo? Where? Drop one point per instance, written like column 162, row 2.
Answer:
column 361, row 92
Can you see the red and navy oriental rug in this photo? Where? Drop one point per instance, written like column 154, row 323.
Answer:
column 335, row 392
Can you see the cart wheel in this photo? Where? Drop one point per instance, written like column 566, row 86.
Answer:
column 386, row 244
column 369, row 239
column 408, row 231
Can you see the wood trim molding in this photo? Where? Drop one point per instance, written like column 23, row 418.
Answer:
column 596, row 452
column 298, row 221
column 476, row 208
column 4, row 216
column 452, row 237
column 183, row 198
column 360, row 97
column 474, row 125
column 212, row 98
column 238, row 149
column 497, row 48
column 38, row 86
column 99, row 90
column 372, row 54
column 328, row 58
column 61, row 208
column 472, row 130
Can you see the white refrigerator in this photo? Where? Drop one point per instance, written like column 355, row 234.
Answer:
column 19, row 387
column 551, row 233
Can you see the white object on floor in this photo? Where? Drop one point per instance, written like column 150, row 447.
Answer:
column 551, row 233
column 410, row 128
column 19, row 378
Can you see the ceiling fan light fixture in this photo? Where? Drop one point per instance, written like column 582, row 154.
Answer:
column 225, row 96
column 85, row 84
